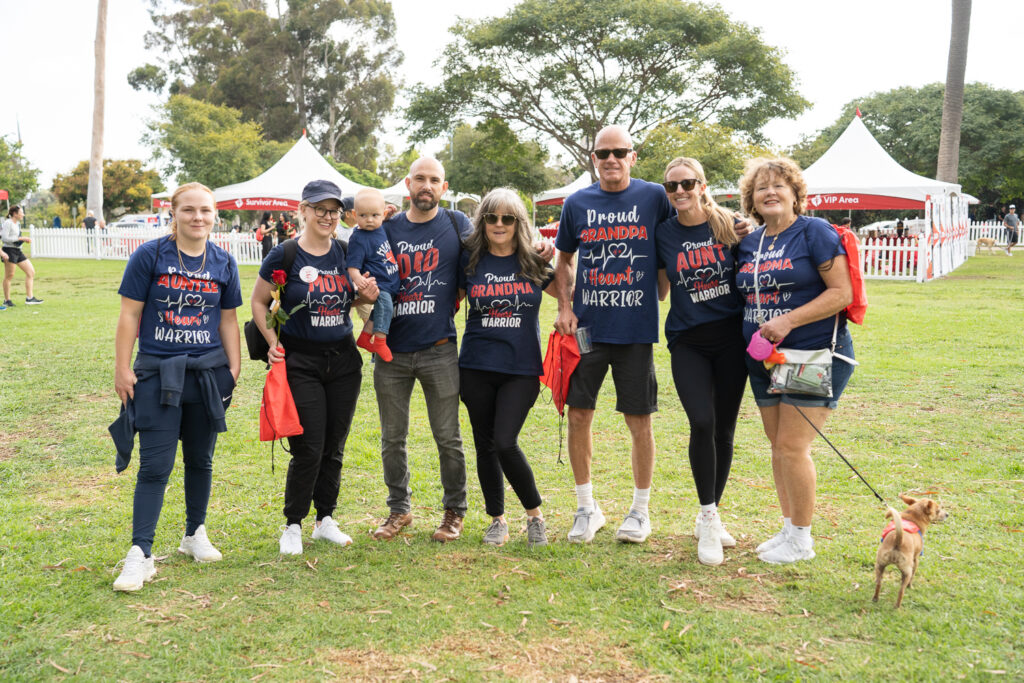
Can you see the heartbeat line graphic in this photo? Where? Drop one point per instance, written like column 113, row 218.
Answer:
column 183, row 300
column 500, row 305
column 706, row 273
column 618, row 250
column 414, row 282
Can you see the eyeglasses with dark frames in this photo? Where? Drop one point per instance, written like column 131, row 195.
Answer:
column 619, row 152
column 687, row 184
column 321, row 211
column 493, row 218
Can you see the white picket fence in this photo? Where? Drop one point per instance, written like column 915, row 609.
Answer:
column 890, row 258
column 991, row 229
column 120, row 243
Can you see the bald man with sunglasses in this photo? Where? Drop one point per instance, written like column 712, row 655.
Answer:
column 612, row 296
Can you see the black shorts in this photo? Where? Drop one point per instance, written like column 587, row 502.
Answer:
column 636, row 386
column 16, row 254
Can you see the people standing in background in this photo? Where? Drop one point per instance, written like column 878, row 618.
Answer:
column 265, row 234
column 1011, row 221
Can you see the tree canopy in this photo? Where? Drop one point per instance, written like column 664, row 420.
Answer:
column 17, row 175
column 490, row 155
column 907, row 123
column 126, row 186
column 287, row 73
column 210, row 144
column 565, row 68
column 721, row 151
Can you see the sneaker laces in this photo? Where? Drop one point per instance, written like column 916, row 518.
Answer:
column 392, row 519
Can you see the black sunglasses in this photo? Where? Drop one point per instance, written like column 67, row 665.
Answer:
column 619, row 152
column 687, row 184
column 493, row 218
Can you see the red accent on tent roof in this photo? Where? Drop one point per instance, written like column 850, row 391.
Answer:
column 874, row 202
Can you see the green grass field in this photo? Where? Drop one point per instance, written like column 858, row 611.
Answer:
column 936, row 406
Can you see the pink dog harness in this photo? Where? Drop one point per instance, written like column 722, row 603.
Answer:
column 908, row 526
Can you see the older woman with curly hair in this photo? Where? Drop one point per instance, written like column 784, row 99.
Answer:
column 793, row 273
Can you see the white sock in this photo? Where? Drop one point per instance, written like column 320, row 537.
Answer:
column 801, row 534
column 585, row 496
column 641, row 499
column 787, row 525
column 708, row 512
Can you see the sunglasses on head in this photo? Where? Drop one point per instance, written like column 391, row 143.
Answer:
column 619, row 152
column 493, row 218
column 687, row 184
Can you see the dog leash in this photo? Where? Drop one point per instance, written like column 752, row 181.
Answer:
column 848, row 463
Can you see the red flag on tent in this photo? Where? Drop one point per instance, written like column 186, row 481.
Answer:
column 858, row 112
column 3, row 194
column 561, row 359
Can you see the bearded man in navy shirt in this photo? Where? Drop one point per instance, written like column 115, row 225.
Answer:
column 613, row 294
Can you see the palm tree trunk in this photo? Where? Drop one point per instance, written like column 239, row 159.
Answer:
column 94, row 196
column 953, row 100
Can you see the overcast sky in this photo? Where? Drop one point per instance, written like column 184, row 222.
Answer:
column 839, row 51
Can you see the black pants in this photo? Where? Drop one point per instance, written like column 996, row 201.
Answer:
column 160, row 429
column 498, row 404
column 325, row 386
column 710, row 374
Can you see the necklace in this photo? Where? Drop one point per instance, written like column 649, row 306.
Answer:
column 202, row 266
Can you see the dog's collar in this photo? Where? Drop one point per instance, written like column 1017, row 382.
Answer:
column 907, row 526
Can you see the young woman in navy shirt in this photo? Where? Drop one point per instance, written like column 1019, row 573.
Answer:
column 794, row 276
column 503, row 279
column 696, row 261
column 324, row 368
column 178, row 295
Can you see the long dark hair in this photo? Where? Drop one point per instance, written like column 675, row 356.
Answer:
column 505, row 200
column 266, row 218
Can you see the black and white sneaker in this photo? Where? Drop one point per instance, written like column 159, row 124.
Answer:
column 32, row 301
column 8, row 303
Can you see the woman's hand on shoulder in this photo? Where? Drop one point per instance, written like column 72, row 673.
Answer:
column 742, row 225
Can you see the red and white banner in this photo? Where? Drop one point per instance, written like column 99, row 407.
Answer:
column 831, row 202
column 161, row 203
column 258, row 204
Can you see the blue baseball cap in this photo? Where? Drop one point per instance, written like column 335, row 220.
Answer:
column 348, row 203
column 319, row 190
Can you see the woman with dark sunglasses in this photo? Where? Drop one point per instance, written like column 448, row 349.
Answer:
column 697, row 263
column 503, row 278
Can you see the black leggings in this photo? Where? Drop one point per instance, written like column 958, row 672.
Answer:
column 710, row 375
column 325, row 386
column 498, row 404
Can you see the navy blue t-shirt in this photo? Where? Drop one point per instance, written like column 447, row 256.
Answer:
column 701, row 274
column 502, row 328
column 370, row 251
column 428, row 263
column 181, row 312
column 616, row 274
column 788, row 278
column 322, row 285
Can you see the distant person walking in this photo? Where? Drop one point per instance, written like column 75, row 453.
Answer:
column 89, row 223
column 265, row 234
column 1011, row 221
column 14, row 256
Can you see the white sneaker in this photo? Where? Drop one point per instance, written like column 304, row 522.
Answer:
column 709, row 545
column 585, row 524
column 727, row 540
column 776, row 540
column 138, row 569
column 329, row 531
column 636, row 527
column 198, row 546
column 291, row 540
column 788, row 552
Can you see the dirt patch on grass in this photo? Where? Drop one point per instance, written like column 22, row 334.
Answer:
column 740, row 589
column 589, row 656
column 90, row 492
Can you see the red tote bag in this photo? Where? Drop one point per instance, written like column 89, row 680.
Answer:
column 278, row 416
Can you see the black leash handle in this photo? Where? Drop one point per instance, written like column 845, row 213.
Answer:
column 848, row 464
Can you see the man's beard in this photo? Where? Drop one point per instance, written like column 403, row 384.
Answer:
column 423, row 204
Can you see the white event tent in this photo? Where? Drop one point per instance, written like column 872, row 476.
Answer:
column 556, row 196
column 857, row 173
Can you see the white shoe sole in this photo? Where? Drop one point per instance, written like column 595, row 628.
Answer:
column 762, row 557
column 727, row 541
column 625, row 537
column 131, row 588
column 184, row 551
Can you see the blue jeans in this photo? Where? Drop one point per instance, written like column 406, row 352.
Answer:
column 437, row 369
column 841, row 373
column 383, row 311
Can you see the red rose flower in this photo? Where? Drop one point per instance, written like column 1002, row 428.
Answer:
column 279, row 277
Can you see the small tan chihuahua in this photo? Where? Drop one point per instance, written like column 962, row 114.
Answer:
column 903, row 540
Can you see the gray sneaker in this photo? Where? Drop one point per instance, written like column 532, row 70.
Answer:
column 497, row 533
column 536, row 532
column 635, row 528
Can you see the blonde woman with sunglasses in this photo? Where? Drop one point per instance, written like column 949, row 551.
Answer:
column 504, row 279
